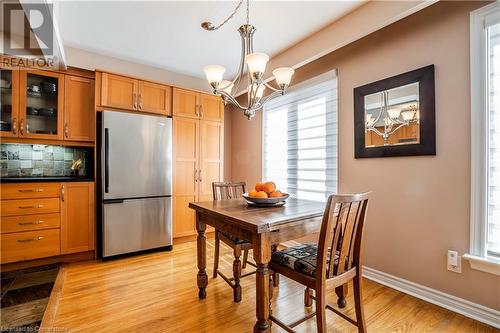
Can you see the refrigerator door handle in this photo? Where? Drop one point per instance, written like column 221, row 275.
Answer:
column 113, row 201
column 106, row 160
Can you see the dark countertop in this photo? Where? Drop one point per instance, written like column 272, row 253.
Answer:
column 44, row 179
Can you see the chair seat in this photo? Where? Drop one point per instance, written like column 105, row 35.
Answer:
column 234, row 239
column 301, row 258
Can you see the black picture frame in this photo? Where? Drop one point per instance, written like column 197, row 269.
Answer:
column 427, row 145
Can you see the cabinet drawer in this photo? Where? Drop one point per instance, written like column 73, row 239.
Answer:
column 30, row 206
column 30, row 190
column 29, row 222
column 30, row 245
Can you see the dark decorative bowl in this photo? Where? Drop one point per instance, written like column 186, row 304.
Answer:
column 266, row 201
column 32, row 111
column 48, row 112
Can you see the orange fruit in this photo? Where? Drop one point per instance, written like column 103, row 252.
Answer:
column 253, row 194
column 275, row 194
column 258, row 186
column 269, row 187
column 261, row 194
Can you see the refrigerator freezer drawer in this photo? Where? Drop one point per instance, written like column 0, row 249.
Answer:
column 136, row 224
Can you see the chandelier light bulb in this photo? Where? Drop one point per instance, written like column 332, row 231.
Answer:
column 257, row 62
column 283, row 76
column 214, row 74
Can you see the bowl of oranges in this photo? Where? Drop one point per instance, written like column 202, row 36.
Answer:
column 265, row 195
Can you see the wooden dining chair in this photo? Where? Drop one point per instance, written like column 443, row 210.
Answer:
column 224, row 191
column 319, row 268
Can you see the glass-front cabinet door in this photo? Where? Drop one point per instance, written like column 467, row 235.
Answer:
column 9, row 102
column 41, row 105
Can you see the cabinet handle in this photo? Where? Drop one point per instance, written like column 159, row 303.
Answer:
column 199, row 175
column 135, row 101
column 21, row 127
column 31, row 190
column 196, row 110
column 34, row 239
column 62, row 193
column 201, row 111
column 30, row 207
column 195, row 178
column 14, row 126
column 140, row 102
column 66, row 130
column 30, row 223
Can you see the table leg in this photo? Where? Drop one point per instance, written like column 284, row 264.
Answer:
column 262, row 256
column 201, row 245
column 341, row 292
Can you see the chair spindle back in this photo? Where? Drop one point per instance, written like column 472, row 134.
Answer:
column 228, row 190
column 342, row 233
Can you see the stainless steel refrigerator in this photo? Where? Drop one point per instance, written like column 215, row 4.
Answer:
column 136, row 182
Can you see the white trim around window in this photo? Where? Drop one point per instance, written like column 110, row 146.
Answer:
column 299, row 139
column 480, row 20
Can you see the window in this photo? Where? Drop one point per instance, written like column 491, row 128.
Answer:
column 300, row 139
column 485, row 137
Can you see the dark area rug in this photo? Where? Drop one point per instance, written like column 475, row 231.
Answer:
column 25, row 294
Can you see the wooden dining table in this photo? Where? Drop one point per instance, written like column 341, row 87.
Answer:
column 264, row 227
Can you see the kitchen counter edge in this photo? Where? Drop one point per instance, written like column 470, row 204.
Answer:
column 45, row 180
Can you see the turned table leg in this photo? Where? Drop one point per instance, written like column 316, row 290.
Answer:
column 201, row 245
column 262, row 256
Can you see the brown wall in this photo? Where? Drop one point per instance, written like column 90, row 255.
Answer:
column 420, row 205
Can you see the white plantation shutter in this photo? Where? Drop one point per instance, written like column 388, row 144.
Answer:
column 493, row 141
column 300, row 139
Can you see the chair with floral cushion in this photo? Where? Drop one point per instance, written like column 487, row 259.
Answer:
column 226, row 191
column 319, row 268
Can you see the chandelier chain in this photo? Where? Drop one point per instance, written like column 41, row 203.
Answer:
column 248, row 12
column 232, row 15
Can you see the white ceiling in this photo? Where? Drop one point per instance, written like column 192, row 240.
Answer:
column 167, row 34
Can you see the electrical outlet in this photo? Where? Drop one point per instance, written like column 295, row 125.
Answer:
column 454, row 262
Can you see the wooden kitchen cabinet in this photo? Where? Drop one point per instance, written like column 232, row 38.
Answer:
column 198, row 161
column 192, row 104
column 119, row 91
column 46, row 105
column 127, row 93
column 185, row 103
column 30, row 221
column 154, row 98
column 29, row 206
column 41, row 104
column 210, row 157
column 186, row 132
column 41, row 220
column 77, row 217
column 29, row 190
column 9, row 103
column 29, row 245
column 211, row 107
column 79, row 114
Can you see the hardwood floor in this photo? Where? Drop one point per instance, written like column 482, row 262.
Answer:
column 158, row 293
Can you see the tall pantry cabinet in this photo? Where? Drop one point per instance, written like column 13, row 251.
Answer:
column 198, row 146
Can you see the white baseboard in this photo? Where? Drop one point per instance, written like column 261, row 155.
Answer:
column 453, row 303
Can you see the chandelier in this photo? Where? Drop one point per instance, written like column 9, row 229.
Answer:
column 255, row 63
column 392, row 119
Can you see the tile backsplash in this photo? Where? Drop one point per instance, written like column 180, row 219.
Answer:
column 27, row 160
